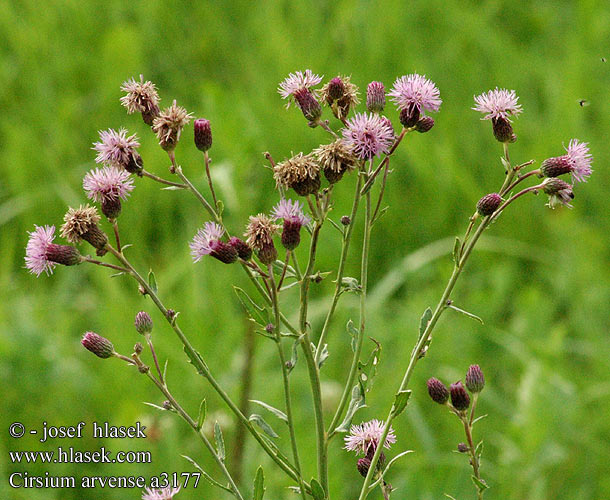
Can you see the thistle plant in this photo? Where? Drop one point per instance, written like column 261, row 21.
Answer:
column 358, row 148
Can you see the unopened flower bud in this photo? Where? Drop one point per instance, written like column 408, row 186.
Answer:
column 462, row 448
column 267, row 254
column 336, row 89
column 475, row 381
column 424, row 124
column 98, row 345
column 309, row 104
column 111, row 207
column 438, row 391
column 459, row 397
column 138, row 348
column 489, row 204
column 375, row 97
column 203, row 134
column 503, row 130
column 269, row 328
column 143, row 369
column 345, row 220
column 167, row 405
column 364, row 464
column 143, row 323
column 409, row 116
column 224, row 252
column 243, row 250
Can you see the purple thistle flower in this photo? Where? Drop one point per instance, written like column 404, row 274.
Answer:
column 579, row 160
column 160, row 494
column 296, row 81
column 368, row 135
column 415, row 92
column 560, row 192
column 116, row 148
column 207, row 241
column 291, row 211
column 107, row 183
column 498, row 103
column 42, row 255
column 366, row 435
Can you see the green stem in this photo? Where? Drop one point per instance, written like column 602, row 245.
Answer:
column 342, row 260
column 163, row 181
column 312, row 366
column 199, row 196
column 206, row 158
column 187, row 418
column 203, row 369
column 287, row 398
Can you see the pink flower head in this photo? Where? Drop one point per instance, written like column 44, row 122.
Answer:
column 206, row 240
column 160, row 494
column 36, row 252
column 366, row 435
column 290, row 211
column 116, row 148
column 498, row 103
column 368, row 135
column 297, row 81
column 579, row 160
column 107, row 184
column 415, row 91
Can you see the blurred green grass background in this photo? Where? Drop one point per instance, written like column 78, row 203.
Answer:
column 540, row 280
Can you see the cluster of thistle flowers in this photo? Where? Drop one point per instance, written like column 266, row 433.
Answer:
column 499, row 105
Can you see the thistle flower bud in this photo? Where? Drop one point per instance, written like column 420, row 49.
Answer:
column 98, row 345
column 138, row 348
column 424, row 124
column 375, row 97
column 462, row 447
column 438, row 391
column 554, row 167
column 364, row 464
column 459, row 397
column 560, row 192
column 488, row 204
column 475, row 381
column 203, row 134
column 244, row 252
column 409, row 116
column 167, row 405
column 143, row 323
column 308, row 104
column 345, row 220
column 503, row 130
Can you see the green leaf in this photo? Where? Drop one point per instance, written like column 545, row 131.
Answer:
column 209, row 478
column 355, row 404
column 479, row 483
column 323, row 354
column 335, row 225
column 194, row 359
column 478, row 418
column 505, row 164
column 380, row 214
column 349, row 284
column 295, row 355
column 316, row 490
column 156, row 406
column 353, row 331
column 423, row 322
column 171, row 188
column 152, row 282
column 260, row 421
column 466, row 313
column 259, row 485
column 278, row 267
column 449, row 496
column 367, row 371
column 478, row 451
column 456, row 251
column 220, row 207
column 400, row 402
column 387, row 467
column 202, row 413
column 253, row 310
column 220, row 442
column 278, row 413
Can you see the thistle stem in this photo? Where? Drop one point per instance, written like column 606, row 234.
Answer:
column 154, row 356
column 115, row 227
column 206, row 159
column 163, row 181
column 105, row 264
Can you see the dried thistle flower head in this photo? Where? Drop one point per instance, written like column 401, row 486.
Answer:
column 81, row 224
column 98, row 345
column 365, row 437
column 368, row 135
column 414, row 95
column 335, row 159
column 208, row 241
column 341, row 95
column 42, row 255
column 116, row 148
column 577, row 161
column 169, row 124
column 160, row 494
column 141, row 97
column 259, row 236
column 560, row 192
column 500, row 105
column 301, row 173
column 108, row 186
column 292, row 214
